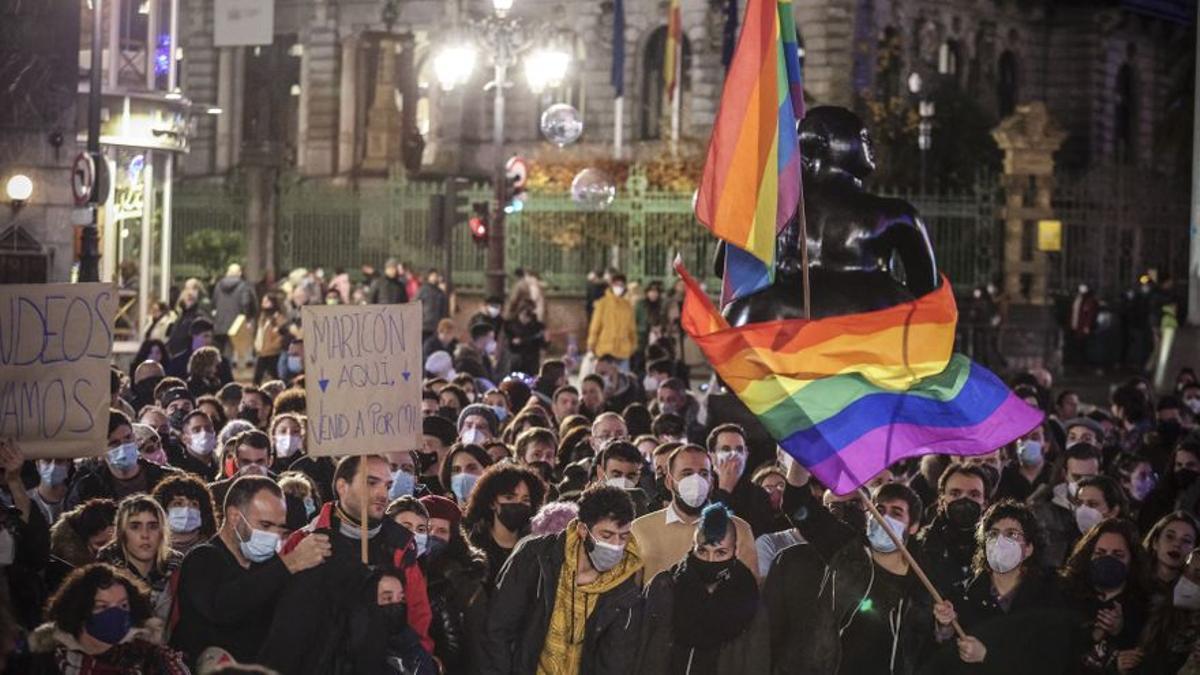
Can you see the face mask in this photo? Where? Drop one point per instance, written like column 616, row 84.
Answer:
column 471, row 436
column 1193, row 404
column 709, row 571
column 668, row 408
column 776, row 499
column 159, row 456
column 295, row 364
column 1107, row 573
column 1003, row 554
column 249, row 415
column 515, row 516
column 963, row 513
column 183, row 519
column 53, row 474
column 493, row 311
column 8, row 547
column 1184, row 478
column 650, row 384
column 604, row 556
column 880, row 541
column 501, row 412
column 435, row 546
column 202, row 443
column 176, row 419
column 286, row 445
column 461, row 485
column 109, row 626
column 1086, row 518
column 731, row 456
column 1186, row 594
column 260, row 546
column 310, row 507
column 693, row 490
column 421, row 541
column 1029, row 453
column 619, row 482
column 490, row 346
column 618, row 291
column 1072, row 488
column 403, row 484
column 123, row 457
column 1141, row 488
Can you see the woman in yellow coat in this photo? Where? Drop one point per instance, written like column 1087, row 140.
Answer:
column 613, row 329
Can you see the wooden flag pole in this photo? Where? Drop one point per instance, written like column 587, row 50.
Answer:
column 365, row 513
column 908, row 558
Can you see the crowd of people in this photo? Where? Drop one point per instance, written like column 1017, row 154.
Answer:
column 589, row 514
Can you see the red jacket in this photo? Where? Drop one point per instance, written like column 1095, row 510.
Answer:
column 420, row 615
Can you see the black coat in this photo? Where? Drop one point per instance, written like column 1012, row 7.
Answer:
column 525, row 344
column 435, row 306
column 99, row 483
column 231, row 296
column 750, row 503
column 946, row 556
column 459, row 603
column 749, row 652
column 386, row 290
column 520, row 609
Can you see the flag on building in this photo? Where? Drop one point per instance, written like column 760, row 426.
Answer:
column 848, row 396
column 750, row 187
column 674, row 49
column 729, row 33
column 617, row 76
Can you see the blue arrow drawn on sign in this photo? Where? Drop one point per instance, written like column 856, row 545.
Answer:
column 406, row 374
column 324, row 381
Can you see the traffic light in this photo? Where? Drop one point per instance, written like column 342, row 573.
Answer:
column 446, row 210
column 478, row 222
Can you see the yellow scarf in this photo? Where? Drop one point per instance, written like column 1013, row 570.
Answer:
column 573, row 604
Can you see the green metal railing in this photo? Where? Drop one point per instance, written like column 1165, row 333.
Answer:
column 339, row 226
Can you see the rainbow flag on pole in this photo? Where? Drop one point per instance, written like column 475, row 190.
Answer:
column 674, row 49
column 751, row 182
column 848, row 396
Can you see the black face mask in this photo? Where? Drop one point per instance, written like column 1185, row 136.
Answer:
column 145, row 388
column 249, row 414
column 176, row 418
column 427, row 460
column 1107, row 573
column 395, row 617
column 434, row 546
column 448, row 412
column 514, row 516
column 849, row 514
column 963, row 514
column 708, row 571
column 1184, row 478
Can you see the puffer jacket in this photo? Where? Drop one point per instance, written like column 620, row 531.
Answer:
column 55, row 652
column 613, row 329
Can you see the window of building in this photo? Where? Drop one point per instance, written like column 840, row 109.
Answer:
column 654, row 111
column 949, row 58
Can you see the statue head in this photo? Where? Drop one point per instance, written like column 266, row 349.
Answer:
column 834, row 142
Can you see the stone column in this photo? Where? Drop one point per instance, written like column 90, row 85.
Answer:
column 347, row 97
column 383, row 119
column 1029, row 138
column 225, row 96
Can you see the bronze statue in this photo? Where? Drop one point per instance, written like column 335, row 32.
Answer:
column 865, row 252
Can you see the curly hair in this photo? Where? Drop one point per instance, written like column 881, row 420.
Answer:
column 500, row 479
column 204, row 362
column 1013, row 510
column 189, row 487
column 71, row 606
column 1074, row 572
column 91, row 517
column 293, row 400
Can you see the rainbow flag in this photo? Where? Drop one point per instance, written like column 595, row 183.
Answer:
column 751, row 182
column 848, row 396
column 674, row 50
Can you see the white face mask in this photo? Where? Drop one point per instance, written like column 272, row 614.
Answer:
column 618, row 291
column 619, row 482
column 1072, row 488
column 493, row 311
column 183, row 519
column 731, row 456
column 1193, row 404
column 202, row 443
column 286, row 445
column 1186, row 595
column 1086, row 518
column 1003, row 554
column 693, row 490
column 471, row 435
column 8, row 547
column 879, row 539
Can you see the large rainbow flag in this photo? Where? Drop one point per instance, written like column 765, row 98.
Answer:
column 848, row 396
column 751, row 182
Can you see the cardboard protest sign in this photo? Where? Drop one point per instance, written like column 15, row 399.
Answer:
column 362, row 374
column 55, row 346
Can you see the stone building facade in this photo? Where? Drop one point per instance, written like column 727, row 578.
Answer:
column 313, row 100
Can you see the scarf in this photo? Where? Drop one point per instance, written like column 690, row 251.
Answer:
column 574, row 604
column 351, row 528
column 704, row 620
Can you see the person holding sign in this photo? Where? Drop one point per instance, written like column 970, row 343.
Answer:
column 122, row 472
column 311, row 630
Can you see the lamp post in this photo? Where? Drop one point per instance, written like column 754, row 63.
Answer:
column 926, row 111
column 504, row 38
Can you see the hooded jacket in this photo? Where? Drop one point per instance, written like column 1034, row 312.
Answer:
column 231, row 297
column 612, row 329
column 54, row 651
column 521, row 610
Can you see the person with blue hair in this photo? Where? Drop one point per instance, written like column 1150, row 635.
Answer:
column 703, row 616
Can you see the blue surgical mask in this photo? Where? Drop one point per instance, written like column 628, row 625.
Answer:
column 1029, row 452
column 422, row 542
column 260, row 546
column 880, row 541
column 295, row 364
column 461, row 485
column 403, row 484
column 310, row 507
column 52, row 473
column 501, row 412
column 123, row 457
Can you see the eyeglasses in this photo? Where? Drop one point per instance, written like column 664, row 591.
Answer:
column 1016, row 535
